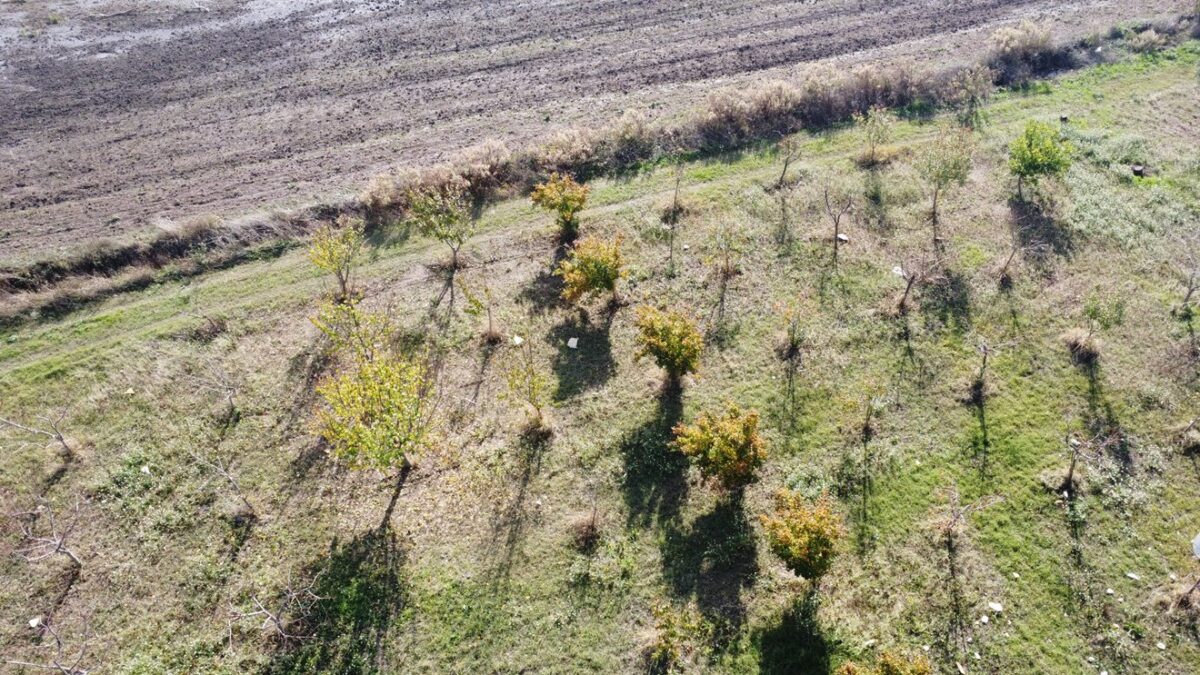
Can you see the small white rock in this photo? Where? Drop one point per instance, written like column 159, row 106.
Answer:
column 1133, row 576
column 573, row 343
column 983, row 619
column 996, row 607
column 1109, row 591
column 961, row 668
column 925, row 648
column 130, row 392
column 1161, row 645
column 977, row 656
column 518, row 340
column 1173, row 577
column 1016, row 576
column 146, row 469
column 1091, row 659
column 35, row 622
column 843, row 238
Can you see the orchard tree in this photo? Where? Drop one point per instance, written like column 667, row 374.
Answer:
column 443, row 213
column 804, row 534
column 671, row 338
column 528, row 382
column 878, row 126
column 1039, row 152
column 944, row 165
column 335, row 248
column 377, row 414
column 593, row 267
column 726, row 447
column 565, row 197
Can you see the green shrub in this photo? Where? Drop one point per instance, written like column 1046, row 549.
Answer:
column 565, row 197
column 727, row 447
column 335, row 248
column 671, row 339
column 878, row 126
column 377, row 414
column 1038, row 152
column 593, row 267
column 443, row 213
column 804, row 534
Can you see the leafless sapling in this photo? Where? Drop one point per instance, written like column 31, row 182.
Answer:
column 837, row 209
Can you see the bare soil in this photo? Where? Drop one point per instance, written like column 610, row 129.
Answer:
column 120, row 115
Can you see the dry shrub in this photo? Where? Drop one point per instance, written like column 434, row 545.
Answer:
column 485, row 168
column 570, row 151
column 1022, row 52
column 380, row 194
column 585, row 533
column 627, row 142
column 1147, row 41
column 1083, row 345
column 725, row 121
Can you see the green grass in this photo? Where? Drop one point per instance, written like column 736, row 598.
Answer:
column 475, row 571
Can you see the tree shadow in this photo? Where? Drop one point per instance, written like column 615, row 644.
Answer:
column 511, row 520
column 876, row 209
column 361, row 593
column 947, row 301
column 589, row 365
column 797, row 644
column 1039, row 234
column 655, row 482
column 714, row 558
column 1102, row 420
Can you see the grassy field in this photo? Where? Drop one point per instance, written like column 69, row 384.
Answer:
column 185, row 398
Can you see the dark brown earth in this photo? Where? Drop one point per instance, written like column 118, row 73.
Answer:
column 117, row 116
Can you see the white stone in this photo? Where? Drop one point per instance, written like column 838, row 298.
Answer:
column 573, row 343
column 1133, row 576
column 961, row 668
column 898, row 271
column 983, row 619
column 843, row 238
column 130, row 392
column 996, row 607
column 1109, row 591
column 1016, row 576
column 977, row 656
column 1196, row 546
column 518, row 340
column 1173, row 577
column 146, row 469
column 35, row 622
column 925, row 648
column 1161, row 645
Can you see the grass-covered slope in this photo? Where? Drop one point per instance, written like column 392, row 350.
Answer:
column 186, row 403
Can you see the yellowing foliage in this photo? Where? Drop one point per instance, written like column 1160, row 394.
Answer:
column 671, row 339
column 727, row 447
column 376, row 414
column 594, row 267
column 565, row 197
column 334, row 249
column 804, row 535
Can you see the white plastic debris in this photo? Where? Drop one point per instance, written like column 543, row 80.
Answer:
column 996, row 607
column 1162, row 646
column 518, row 340
column 146, row 469
column 898, row 271
column 983, row 619
column 843, row 238
column 1109, row 591
column 130, row 392
column 573, row 343
column 1016, row 576
column 961, row 668
column 925, row 648
column 1133, row 576
column 1173, row 577
column 1196, row 546
column 35, row 622
column 869, row 643
column 977, row 656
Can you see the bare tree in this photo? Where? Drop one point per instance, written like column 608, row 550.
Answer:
column 43, row 541
column 836, row 209
column 293, row 606
column 67, row 659
column 790, row 150
column 54, row 432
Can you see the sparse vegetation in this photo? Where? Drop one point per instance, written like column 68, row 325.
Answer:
column 443, row 213
column 335, row 250
column 878, row 125
column 942, row 165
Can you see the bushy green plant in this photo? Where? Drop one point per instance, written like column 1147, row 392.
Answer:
column 593, row 267
column 1039, row 152
column 354, row 330
column 376, row 414
column 443, row 213
column 565, row 197
column 804, row 534
column 727, row 446
column 671, row 338
column 878, row 126
column 944, row 164
column 335, row 248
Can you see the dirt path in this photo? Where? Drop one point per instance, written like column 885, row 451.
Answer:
column 116, row 114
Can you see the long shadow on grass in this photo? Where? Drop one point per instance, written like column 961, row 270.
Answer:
column 511, row 521
column 1039, row 234
column 947, row 301
column 655, row 474
column 589, row 365
column 796, row 644
column 361, row 593
column 713, row 559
